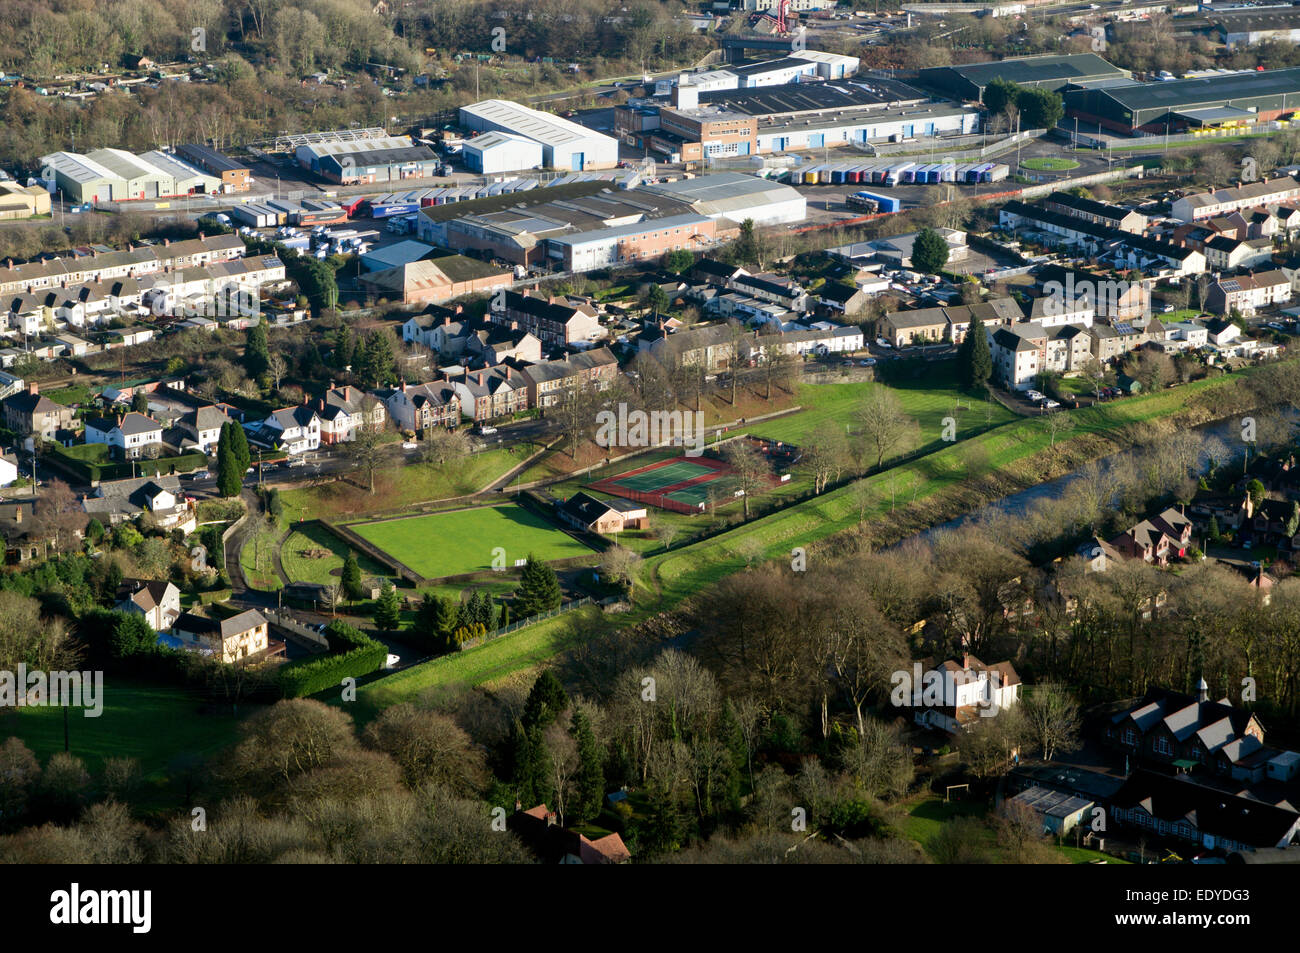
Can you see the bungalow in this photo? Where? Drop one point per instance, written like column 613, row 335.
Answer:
column 585, row 512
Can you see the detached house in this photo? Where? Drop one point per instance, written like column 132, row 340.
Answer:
column 951, row 696
column 159, row 602
column 293, row 429
column 132, row 433
column 1156, row 540
column 202, row 428
column 584, row 511
column 29, row 412
column 231, row 640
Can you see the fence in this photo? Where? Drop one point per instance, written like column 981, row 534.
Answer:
column 297, row 628
column 539, row 617
column 660, row 500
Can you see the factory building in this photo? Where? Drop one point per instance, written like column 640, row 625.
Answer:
column 966, row 83
column 799, row 66
column 235, row 176
column 588, row 225
column 368, row 161
column 1188, row 104
column 1250, row 27
column 114, row 175
column 701, row 126
column 565, row 145
column 501, row 152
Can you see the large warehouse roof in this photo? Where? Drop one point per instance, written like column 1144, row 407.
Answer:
column 724, row 192
column 77, row 167
column 181, row 171
column 494, row 140
column 1030, row 70
column 1183, row 93
column 124, row 165
column 810, row 97
column 355, row 146
column 542, row 127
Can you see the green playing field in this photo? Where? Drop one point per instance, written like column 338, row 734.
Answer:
column 463, row 541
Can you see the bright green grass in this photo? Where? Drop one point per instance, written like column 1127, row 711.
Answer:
column 257, row 560
column 493, row 660
column 151, row 723
column 301, row 568
column 405, row 485
column 462, row 541
column 1049, row 164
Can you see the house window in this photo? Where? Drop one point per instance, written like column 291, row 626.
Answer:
column 1162, row 745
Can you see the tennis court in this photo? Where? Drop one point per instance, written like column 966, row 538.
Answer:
column 680, row 484
column 656, row 478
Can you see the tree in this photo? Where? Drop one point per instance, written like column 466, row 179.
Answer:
column 678, row 261
column 1051, row 719
column 230, row 476
column 886, row 428
column 388, row 611
column 929, row 251
column 1257, row 493
column 365, row 450
column 620, row 565
column 589, row 796
column 999, row 94
column 657, row 300
column 277, row 367
column 376, row 361
column 749, row 248
column 437, row 619
column 350, row 579
column 750, row 469
column 140, row 402
column 974, row 360
column 1058, row 424
column 1040, row 108
column 545, row 701
column 59, row 515
column 539, row 589
column 826, row 454
column 257, row 350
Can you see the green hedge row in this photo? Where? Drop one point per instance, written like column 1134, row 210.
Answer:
column 352, row 655
column 98, row 472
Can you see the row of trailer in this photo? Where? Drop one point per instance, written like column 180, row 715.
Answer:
column 900, row 173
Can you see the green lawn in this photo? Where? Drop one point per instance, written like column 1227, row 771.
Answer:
column 462, row 541
column 151, row 723
column 257, row 560
column 300, row 567
column 404, row 485
column 494, row 660
column 1049, row 164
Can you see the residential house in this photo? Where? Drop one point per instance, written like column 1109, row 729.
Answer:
column 158, row 601
column 202, row 428
column 240, row 637
column 117, row 500
column 1156, row 540
column 292, row 429
column 1099, row 213
column 1226, row 254
column 552, row 321
column 30, row 412
column 1246, row 294
column 1221, row 332
column 135, row 435
column 488, row 394
column 1173, row 729
column 905, row 328
column 1111, row 298
column 487, row 345
column 709, row 346
column 547, row 381
column 1205, row 816
column 541, row 830
column 342, row 410
column 951, row 696
column 24, row 540
column 418, row 407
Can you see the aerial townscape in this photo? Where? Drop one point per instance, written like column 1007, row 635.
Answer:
column 737, row 432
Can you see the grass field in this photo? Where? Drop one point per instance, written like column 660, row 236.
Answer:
column 257, row 560
column 151, row 723
column 324, row 570
column 462, row 541
column 404, row 485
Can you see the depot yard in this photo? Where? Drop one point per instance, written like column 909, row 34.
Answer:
column 462, row 541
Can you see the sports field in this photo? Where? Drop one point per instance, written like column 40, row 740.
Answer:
column 680, row 484
column 463, row 541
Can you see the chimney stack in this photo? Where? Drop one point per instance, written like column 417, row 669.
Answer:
column 33, row 388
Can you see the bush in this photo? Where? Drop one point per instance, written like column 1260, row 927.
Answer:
column 312, row 675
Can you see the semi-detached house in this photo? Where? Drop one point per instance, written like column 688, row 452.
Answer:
column 131, row 433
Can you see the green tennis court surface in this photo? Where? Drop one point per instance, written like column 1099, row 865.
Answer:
column 699, row 493
column 679, row 471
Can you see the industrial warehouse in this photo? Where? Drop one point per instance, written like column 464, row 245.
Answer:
column 368, row 161
column 115, row 175
column 697, row 126
column 967, row 83
column 1188, row 104
column 586, row 225
column 564, row 144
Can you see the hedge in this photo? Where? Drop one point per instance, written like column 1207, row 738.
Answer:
column 352, row 655
column 72, row 459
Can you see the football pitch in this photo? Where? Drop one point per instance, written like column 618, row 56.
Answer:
column 463, row 541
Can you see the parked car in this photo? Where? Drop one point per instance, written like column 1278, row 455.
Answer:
column 1050, row 404
column 868, row 362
